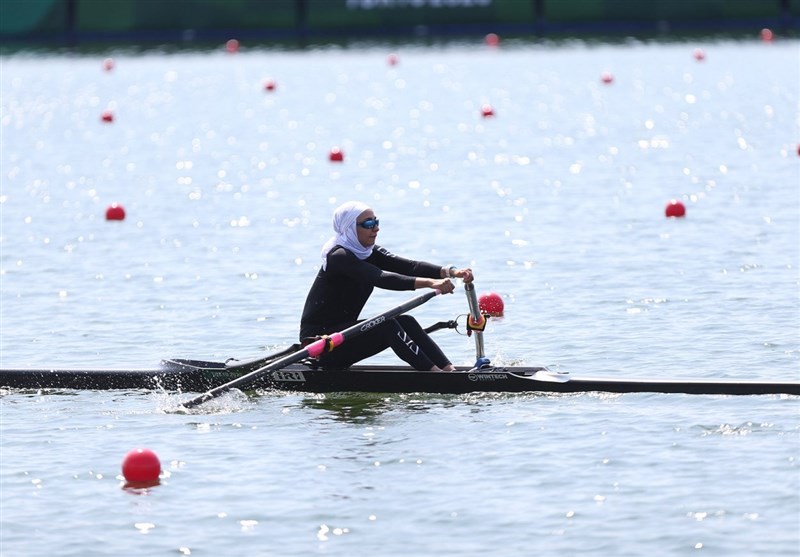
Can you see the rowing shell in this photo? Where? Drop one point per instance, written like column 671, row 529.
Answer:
column 198, row 376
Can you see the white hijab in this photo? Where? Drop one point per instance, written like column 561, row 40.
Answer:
column 344, row 224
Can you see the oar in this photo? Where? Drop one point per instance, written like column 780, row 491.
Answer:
column 312, row 350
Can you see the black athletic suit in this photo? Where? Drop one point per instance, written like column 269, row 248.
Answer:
column 340, row 292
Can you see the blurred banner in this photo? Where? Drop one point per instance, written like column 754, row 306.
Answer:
column 182, row 21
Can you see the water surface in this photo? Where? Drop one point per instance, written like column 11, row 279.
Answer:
column 556, row 203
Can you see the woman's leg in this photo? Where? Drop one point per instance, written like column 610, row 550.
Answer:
column 405, row 346
column 356, row 349
column 427, row 345
column 388, row 334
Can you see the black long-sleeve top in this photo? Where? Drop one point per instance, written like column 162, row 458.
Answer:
column 341, row 291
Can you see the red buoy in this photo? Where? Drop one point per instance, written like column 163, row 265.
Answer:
column 675, row 209
column 232, row 46
column 767, row 35
column 115, row 211
column 392, row 59
column 492, row 304
column 269, row 85
column 699, row 54
column 108, row 64
column 107, row 116
column 607, row 78
column 141, row 466
column 492, row 39
column 487, row 111
column 336, row 155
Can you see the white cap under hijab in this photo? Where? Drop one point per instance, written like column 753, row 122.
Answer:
column 344, row 224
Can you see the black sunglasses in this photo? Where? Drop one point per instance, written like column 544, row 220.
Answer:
column 369, row 224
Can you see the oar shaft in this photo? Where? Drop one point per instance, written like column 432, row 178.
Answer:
column 247, row 378
column 476, row 316
column 313, row 350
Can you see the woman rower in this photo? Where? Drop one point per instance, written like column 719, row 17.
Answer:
column 352, row 266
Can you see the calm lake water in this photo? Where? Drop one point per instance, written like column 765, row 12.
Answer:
column 557, row 203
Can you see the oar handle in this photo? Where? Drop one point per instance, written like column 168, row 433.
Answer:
column 313, row 350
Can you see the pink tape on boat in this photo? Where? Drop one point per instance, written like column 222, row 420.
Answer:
column 318, row 346
column 335, row 339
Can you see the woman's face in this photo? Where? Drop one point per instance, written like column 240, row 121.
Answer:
column 367, row 236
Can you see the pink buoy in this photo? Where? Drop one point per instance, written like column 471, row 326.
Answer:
column 336, row 155
column 675, row 209
column 492, row 304
column 492, row 39
column 141, row 466
column 115, row 211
